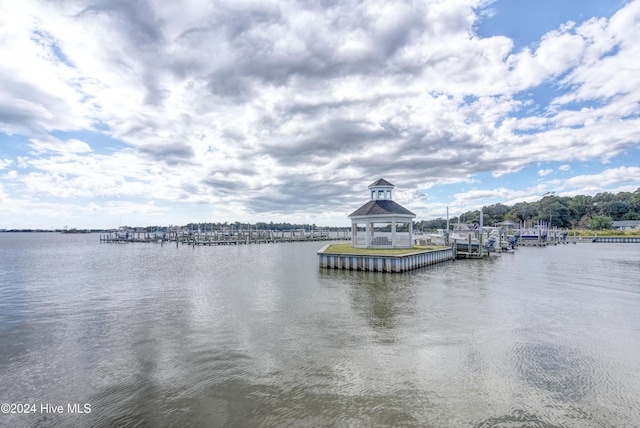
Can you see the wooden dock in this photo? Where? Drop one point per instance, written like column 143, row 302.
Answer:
column 219, row 238
column 469, row 248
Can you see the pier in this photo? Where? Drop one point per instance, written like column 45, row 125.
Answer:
column 222, row 237
column 383, row 262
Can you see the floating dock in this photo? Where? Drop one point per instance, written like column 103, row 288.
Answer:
column 383, row 262
column 618, row 239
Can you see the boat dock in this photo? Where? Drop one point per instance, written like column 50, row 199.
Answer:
column 223, row 238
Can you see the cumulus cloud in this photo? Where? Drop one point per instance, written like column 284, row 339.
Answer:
column 54, row 145
column 172, row 153
column 285, row 107
column 618, row 176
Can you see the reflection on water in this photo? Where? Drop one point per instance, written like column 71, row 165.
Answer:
column 258, row 335
column 382, row 300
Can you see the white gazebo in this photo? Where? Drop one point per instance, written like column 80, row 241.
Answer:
column 382, row 223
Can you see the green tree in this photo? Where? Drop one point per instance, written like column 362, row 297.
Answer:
column 579, row 206
column 471, row 217
column 494, row 213
column 634, row 201
column 601, row 222
column 554, row 209
column 631, row 215
column 604, row 197
column 559, row 212
column 614, row 209
column 521, row 211
column 438, row 223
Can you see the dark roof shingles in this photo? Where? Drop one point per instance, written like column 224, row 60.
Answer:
column 381, row 182
column 381, row 207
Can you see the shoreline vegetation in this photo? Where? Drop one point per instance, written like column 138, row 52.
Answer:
column 580, row 233
column 579, row 212
column 604, row 232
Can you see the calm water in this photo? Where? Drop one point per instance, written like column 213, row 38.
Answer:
column 259, row 336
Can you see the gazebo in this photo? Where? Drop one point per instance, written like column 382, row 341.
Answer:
column 382, row 223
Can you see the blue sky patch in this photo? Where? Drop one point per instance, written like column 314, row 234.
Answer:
column 525, row 22
column 100, row 142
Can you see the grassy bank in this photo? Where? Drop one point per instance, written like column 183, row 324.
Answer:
column 348, row 249
column 604, row 232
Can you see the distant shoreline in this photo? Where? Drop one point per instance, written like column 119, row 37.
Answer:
column 53, row 231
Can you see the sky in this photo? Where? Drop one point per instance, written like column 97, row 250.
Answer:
column 149, row 112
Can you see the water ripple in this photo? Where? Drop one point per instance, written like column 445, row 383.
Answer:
column 258, row 335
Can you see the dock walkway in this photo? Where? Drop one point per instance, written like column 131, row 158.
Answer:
column 213, row 238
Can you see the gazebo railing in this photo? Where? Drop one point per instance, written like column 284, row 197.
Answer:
column 402, row 240
column 360, row 241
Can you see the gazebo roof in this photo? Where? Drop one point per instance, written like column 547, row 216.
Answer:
column 381, row 207
column 381, row 182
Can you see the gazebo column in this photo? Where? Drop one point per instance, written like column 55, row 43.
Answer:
column 393, row 233
column 368, row 231
column 372, row 234
column 354, row 233
column 410, row 233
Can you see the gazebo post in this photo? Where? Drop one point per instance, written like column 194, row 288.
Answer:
column 372, row 234
column 367, row 239
column 411, row 232
column 354, row 233
column 393, row 233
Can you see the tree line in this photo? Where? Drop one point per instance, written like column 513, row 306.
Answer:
column 234, row 226
column 577, row 212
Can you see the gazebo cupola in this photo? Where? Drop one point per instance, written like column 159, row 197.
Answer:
column 381, row 190
column 385, row 223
